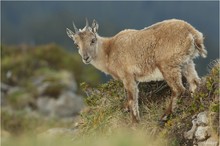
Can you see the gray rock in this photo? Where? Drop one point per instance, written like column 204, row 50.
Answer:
column 190, row 133
column 202, row 130
column 68, row 104
column 63, row 78
column 4, row 87
column 56, row 94
column 46, row 105
column 42, row 88
column 201, row 143
column 202, row 133
column 14, row 89
column 202, row 119
column 9, row 74
column 209, row 142
column 212, row 142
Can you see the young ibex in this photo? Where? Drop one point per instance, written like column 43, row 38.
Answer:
column 163, row 51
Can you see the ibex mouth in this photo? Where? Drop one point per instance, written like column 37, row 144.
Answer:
column 87, row 60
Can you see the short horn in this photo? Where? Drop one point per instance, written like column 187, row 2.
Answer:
column 87, row 23
column 75, row 28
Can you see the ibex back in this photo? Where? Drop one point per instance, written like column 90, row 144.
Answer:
column 163, row 51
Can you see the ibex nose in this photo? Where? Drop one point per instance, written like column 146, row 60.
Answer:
column 85, row 58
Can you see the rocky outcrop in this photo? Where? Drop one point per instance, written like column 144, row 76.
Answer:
column 67, row 104
column 57, row 95
column 53, row 94
column 202, row 132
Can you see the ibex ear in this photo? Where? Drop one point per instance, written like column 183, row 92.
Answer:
column 70, row 33
column 95, row 26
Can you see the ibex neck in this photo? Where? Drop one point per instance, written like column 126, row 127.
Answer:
column 102, row 54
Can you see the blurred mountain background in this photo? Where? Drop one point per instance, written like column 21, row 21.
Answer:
column 39, row 22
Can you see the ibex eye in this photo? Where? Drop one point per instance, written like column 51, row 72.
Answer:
column 77, row 46
column 93, row 41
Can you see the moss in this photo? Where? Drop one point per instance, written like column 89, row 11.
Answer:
column 214, row 107
column 19, row 99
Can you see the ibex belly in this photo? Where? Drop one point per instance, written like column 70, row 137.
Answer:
column 156, row 75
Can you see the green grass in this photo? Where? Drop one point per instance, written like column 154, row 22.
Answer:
column 120, row 138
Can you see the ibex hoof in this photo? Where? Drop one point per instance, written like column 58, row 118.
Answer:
column 135, row 120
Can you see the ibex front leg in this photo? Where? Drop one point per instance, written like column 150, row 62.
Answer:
column 132, row 98
column 173, row 77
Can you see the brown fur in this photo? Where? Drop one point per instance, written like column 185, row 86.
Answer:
column 163, row 51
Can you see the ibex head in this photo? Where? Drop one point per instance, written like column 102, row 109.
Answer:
column 85, row 40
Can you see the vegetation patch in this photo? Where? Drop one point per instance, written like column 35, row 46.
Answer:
column 104, row 114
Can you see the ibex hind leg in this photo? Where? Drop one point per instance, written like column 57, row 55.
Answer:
column 173, row 78
column 191, row 76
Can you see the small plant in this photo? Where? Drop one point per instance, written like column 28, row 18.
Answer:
column 208, row 92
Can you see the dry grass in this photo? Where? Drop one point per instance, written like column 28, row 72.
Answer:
column 105, row 115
